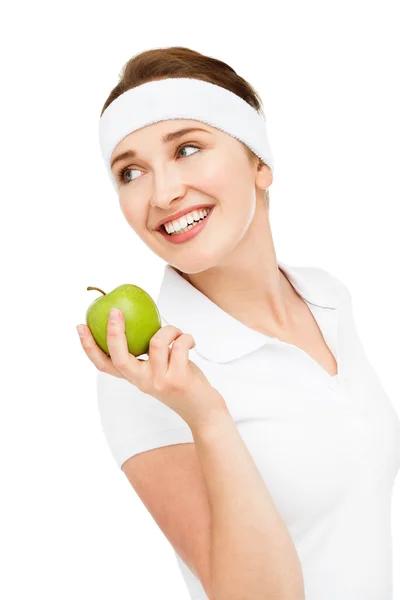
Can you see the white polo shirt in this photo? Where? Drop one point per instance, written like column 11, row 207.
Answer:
column 328, row 448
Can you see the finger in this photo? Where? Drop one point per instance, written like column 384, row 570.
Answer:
column 99, row 358
column 159, row 351
column 125, row 363
column 180, row 354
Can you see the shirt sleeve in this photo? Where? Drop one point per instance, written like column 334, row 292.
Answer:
column 133, row 421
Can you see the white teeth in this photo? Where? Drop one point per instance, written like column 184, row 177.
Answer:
column 186, row 220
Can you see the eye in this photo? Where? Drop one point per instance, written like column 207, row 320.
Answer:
column 121, row 173
column 188, row 146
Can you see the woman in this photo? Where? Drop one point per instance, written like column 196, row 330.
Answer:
column 269, row 458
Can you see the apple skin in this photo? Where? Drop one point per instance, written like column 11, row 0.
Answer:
column 141, row 314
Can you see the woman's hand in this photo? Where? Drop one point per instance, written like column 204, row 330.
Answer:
column 168, row 375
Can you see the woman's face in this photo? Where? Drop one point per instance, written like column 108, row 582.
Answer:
column 206, row 167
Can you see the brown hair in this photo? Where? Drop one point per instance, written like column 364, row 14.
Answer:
column 178, row 61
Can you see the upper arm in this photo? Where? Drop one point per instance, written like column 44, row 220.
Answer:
column 171, row 485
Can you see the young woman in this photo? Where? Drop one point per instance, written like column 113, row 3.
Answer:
column 268, row 458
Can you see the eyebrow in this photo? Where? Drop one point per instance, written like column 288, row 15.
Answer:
column 169, row 137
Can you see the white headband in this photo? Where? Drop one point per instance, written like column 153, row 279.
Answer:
column 182, row 98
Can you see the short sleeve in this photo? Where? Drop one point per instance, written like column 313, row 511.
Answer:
column 133, row 421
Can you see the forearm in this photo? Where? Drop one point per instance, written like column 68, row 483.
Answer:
column 252, row 553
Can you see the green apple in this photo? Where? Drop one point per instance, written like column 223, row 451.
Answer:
column 141, row 315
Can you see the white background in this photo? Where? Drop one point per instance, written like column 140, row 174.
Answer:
column 71, row 525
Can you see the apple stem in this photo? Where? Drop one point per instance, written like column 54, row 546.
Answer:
column 95, row 288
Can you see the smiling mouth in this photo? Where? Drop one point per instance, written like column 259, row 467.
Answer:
column 163, row 230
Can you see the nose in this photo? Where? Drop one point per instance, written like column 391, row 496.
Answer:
column 167, row 187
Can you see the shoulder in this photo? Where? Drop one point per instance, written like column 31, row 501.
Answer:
column 321, row 286
column 325, row 278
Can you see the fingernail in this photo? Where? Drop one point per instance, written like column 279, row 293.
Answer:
column 81, row 330
column 114, row 314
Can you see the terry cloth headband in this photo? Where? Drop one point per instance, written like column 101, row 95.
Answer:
column 182, row 98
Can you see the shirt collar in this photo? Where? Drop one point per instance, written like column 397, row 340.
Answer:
column 220, row 337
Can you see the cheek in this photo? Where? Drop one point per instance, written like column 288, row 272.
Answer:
column 219, row 177
column 134, row 214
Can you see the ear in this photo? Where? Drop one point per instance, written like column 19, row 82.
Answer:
column 264, row 176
